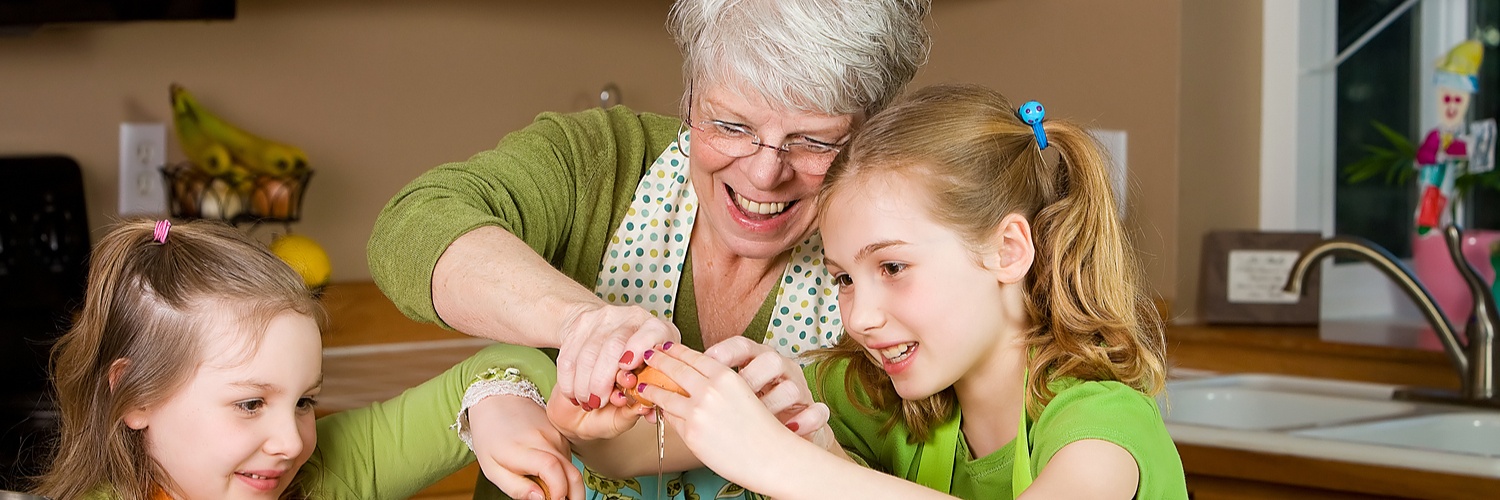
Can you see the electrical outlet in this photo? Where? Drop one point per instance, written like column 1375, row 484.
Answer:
column 143, row 151
column 1114, row 142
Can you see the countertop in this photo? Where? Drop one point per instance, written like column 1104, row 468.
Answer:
column 373, row 352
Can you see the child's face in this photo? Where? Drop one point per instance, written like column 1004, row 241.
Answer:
column 240, row 431
column 910, row 291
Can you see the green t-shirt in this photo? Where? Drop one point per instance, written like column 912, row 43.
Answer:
column 1109, row 410
column 395, row 448
column 563, row 185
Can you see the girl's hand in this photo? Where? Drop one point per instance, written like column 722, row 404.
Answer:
column 779, row 383
column 578, row 424
column 599, row 341
column 513, row 440
column 723, row 422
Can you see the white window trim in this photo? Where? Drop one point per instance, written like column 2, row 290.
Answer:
column 1297, row 137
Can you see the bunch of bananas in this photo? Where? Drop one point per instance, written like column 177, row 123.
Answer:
column 230, row 166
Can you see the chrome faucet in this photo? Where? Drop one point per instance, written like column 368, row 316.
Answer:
column 1473, row 357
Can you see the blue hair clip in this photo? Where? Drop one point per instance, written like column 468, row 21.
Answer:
column 1032, row 114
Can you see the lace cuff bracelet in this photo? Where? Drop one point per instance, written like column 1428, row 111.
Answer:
column 492, row 383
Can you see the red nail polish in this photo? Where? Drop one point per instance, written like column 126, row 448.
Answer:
column 792, row 425
column 640, row 388
column 575, row 401
column 667, row 346
column 625, row 358
column 647, row 354
column 594, row 401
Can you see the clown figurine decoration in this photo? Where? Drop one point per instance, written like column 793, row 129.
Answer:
column 1444, row 153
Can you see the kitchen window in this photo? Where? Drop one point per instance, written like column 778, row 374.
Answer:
column 1316, row 118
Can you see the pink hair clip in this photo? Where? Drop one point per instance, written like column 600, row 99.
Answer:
column 162, row 227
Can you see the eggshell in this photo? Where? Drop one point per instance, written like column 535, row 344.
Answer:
column 652, row 376
column 545, row 492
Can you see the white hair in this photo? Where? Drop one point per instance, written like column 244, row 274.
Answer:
column 832, row 57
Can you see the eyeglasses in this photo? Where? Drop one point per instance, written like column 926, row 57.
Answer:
column 808, row 156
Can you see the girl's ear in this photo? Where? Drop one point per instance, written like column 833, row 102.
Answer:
column 134, row 419
column 117, row 370
column 1013, row 250
column 137, row 419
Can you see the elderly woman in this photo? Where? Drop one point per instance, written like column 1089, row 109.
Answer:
column 606, row 232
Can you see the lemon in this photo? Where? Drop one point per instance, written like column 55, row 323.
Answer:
column 305, row 256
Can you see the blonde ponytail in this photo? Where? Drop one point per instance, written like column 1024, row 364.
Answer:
column 1091, row 318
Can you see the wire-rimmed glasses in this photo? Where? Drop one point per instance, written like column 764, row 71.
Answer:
column 806, row 155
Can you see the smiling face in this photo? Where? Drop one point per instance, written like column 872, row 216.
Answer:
column 911, row 291
column 757, row 206
column 1453, row 107
column 243, row 425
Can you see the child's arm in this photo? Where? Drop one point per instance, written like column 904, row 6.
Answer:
column 394, row 448
column 725, row 425
column 1090, row 468
column 518, row 449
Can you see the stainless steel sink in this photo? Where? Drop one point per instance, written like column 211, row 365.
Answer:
column 1475, row 433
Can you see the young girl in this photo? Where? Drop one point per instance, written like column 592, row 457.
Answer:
column 194, row 367
column 997, row 329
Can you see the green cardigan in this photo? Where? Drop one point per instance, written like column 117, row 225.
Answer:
column 395, row 448
column 563, row 185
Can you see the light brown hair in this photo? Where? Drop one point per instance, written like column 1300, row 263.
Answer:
column 1090, row 315
column 151, row 304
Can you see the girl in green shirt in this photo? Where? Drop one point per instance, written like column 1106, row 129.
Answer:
column 999, row 340
column 194, row 367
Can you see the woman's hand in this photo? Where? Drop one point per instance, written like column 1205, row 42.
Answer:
column 515, row 444
column 723, row 421
column 598, row 342
column 578, row 425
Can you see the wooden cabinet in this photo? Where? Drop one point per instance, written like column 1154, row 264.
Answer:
column 1225, row 473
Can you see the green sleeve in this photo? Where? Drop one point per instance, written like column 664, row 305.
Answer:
column 860, row 433
column 393, row 449
column 561, row 185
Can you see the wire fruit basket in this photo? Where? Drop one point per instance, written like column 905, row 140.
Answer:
column 247, row 198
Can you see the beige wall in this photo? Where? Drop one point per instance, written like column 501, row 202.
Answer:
column 1220, row 141
column 375, row 91
column 379, row 91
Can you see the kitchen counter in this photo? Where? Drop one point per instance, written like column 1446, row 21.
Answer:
column 1226, row 472
column 373, row 352
column 1300, row 351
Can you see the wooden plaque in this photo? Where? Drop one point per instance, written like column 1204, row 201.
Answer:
column 1242, row 274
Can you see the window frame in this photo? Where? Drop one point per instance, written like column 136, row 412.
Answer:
column 1298, row 120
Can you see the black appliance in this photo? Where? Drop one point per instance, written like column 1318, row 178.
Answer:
column 33, row 13
column 44, row 246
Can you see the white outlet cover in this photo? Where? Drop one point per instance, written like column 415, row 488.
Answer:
column 1114, row 142
column 143, row 152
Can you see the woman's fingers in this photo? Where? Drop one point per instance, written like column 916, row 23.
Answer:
column 784, row 396
column 599, row 342
column 736, row 351
column 808, row 420
column 769, row 368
